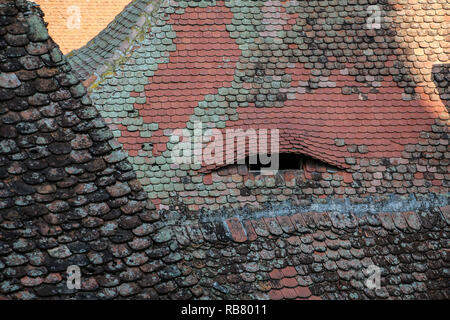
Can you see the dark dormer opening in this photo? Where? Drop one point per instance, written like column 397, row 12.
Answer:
column 286, row 161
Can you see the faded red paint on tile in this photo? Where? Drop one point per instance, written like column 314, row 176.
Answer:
column 289, row 271
column 251, row 234
column 289, row 293
column 303, row 292
column 289, row 282
column 276, row 274
column 236, row 229
column 310, row 123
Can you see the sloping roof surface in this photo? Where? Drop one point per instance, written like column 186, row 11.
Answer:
column 116, row 37
column 66, row 186
column 348, row 95
column 93, row 16
column 312, row 256
column 69, row 196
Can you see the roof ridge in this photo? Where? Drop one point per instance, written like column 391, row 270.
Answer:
column 118, row 54
column 375, row 206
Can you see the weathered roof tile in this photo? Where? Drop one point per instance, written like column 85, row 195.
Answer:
column 356, row 102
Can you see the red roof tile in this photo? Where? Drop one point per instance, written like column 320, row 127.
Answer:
column 236, row 230
column 362, row 111
column 276, row 274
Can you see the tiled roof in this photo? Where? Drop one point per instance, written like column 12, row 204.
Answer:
column 441, row 76
column 102, row 53
column 313, row 256
column 63, row 17
column 364, row 101
column 69, row 197
column 66, row 186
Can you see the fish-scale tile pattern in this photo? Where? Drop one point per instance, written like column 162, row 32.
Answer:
column 200, row 49
column 441, row 77
column 366, row 105
column 72, row 23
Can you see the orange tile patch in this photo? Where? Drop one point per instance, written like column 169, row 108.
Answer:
column 289, row 271
column 195, row 69
column 251, row 234
column 276, row 274
column 93, row 16
column 236, row 230
column 316, row 119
